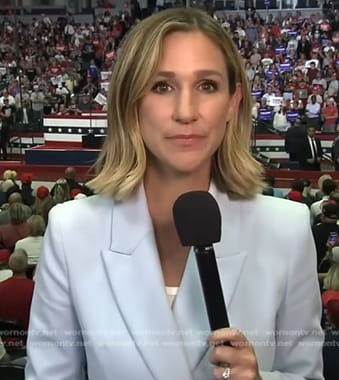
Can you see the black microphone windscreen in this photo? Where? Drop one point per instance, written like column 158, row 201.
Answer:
column 197, row 219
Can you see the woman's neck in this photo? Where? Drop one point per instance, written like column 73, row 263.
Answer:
column 161, row 193
column 162, row 190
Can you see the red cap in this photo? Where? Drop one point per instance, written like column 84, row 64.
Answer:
column 26, row 178
column 42, row 192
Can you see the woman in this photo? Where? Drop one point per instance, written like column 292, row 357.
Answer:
column 17, row 228
column 331, row 278
column 61, row 191
column 330, row 114
column 32, row 244
column 280, row 122
column 250, row 72
column 43, row 203
column 115, row 285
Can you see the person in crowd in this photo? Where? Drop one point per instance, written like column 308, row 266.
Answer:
column 16, row 292
column 330, row 114
column 333, row 86
column 321, row 232
column 38, row 102
column 61, row 191
column 294, row 140
column 319, row 194
column 43, row 203
column 295, row 196
column 24, row 115
column 4, row 215
column 311, row 151
column 7, row 114
column 70, row 177
column 6, row 186
column 32, row 244
column 331, row 345
column 319, row 80
column 328, row 186
column 297, row 186
column 313, row 110
column 85, row 102
column 6, row 97
column 178, row 117
column 26, row 189
column 271, row 184
column 280, row 122
column 17, row 228
column 308, row 197
column 304, row 47
column 331, row 278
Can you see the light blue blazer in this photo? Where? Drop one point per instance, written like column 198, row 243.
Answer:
column 100, row 297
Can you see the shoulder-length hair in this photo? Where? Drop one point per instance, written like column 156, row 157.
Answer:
column 121, row 165
column 36, row 225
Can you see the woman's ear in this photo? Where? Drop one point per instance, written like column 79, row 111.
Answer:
column 234, row 102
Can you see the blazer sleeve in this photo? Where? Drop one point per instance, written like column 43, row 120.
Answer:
column 55, row 347
column 304, row 150
column 299, row 350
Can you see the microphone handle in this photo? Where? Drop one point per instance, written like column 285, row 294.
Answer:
column 210, row 281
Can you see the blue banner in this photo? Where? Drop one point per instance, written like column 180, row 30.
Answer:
column 265, row 114
column 257, row 93
column 291, row 33
column 292, row 116
column 280, row 49
column 269, row 75
column 285, row 67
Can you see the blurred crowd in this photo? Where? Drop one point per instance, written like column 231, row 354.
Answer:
column 57, row 67
column 292, row 65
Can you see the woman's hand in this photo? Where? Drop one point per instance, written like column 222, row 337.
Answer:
column 232, row 350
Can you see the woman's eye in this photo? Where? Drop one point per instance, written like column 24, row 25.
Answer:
column 161, row 88
column 208, row 86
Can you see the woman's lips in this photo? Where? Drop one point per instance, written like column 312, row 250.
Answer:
column 182, row 140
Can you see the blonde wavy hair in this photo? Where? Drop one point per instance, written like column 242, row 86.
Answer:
column 122, row 163
column 9, row 174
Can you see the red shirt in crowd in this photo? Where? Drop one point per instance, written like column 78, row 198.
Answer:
column 54, row 69
column 16, row 298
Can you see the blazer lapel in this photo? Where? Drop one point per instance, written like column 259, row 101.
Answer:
column 231, row 251
column 134, row 273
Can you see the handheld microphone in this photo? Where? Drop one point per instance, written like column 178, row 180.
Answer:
column 198, row 222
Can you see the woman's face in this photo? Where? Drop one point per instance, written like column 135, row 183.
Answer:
column 184, row 116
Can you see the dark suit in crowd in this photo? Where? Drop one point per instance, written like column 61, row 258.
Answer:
column 311, row 151
column 294, row 139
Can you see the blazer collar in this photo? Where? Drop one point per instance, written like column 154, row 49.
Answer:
column 131, row 222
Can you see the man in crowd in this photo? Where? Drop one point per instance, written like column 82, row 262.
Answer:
column 310, row 151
